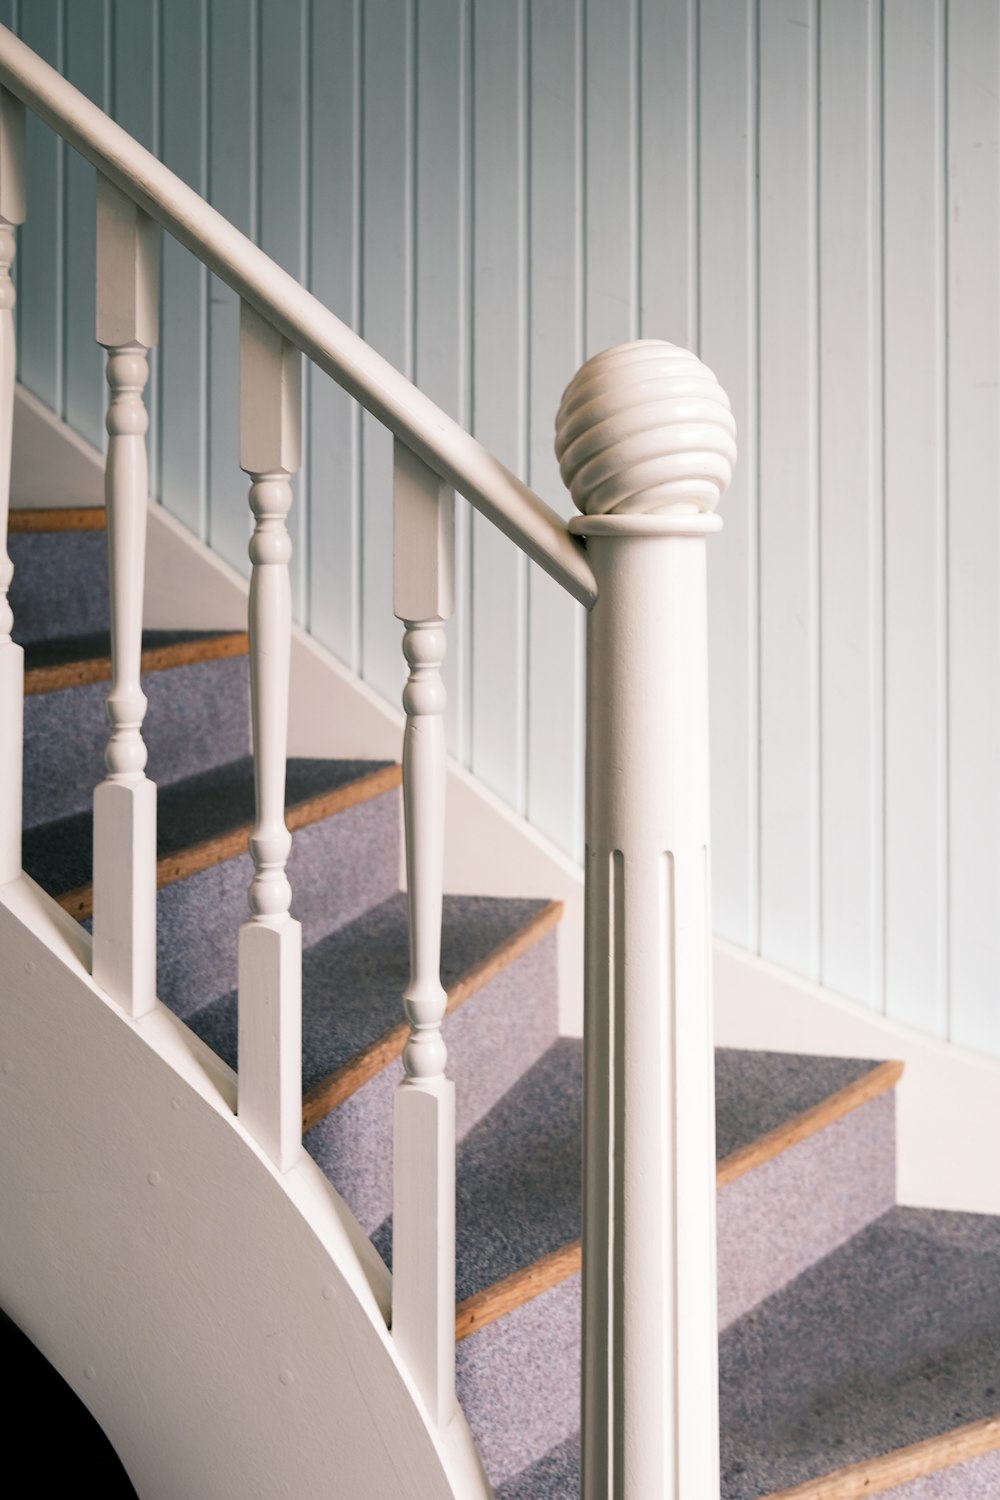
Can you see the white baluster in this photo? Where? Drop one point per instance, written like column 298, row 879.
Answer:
column 270, row 951
column 646, row 442
column 423, row 1224
column 11, row 656
column 125, row 802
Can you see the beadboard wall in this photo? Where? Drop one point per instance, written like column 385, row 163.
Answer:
column 805, row 191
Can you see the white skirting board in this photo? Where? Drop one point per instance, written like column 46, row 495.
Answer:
column 949, row 1099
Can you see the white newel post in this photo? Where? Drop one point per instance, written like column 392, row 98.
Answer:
column 646, row 443
column 11, row 656
column 125, row 802
column 270, row 949
column 423, row 1223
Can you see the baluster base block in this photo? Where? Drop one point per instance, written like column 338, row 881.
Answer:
column 423, row 1239
column 11, row 758
column 270, row 1038
column 125, row 893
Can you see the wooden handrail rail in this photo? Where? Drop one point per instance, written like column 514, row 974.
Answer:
column 301, row 318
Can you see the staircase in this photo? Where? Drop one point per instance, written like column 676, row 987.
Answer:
column 860, row 1341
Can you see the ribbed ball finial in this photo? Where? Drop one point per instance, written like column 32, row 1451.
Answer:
column 645, row 428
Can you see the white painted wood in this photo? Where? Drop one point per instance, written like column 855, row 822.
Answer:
column 611, row 198
column 270, row 947
column 973, row 375
column 668, row 170
column 850, row 480
column 41, row 274
column 423, row 1217
column 52, row 466
column 727, row 143
column 86, row 36
column 499, row 582
column 12, row 213
column 125, row 802
column 650, row 1350
column 224, row 1322
column 789, row 520
column 916, row 730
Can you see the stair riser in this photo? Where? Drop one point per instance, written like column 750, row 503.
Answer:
column 60, row 584
column 790, row 1212
column 338, row 869
column 198, row 716
column 492, row 1039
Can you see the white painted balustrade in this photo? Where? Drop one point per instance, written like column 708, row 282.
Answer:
column 125, row 802
column 423, row 1223
column 270, row 948
column 11, row 655
column 646, row 443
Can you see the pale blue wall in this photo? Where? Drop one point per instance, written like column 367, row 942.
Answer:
column 490, row 190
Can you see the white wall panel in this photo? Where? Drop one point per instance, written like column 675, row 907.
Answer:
column 850, row 478
column 974, row 521
column 499, row 374
column 808, row 191
column 788, row 517
column 916, row 729
column 727, row 158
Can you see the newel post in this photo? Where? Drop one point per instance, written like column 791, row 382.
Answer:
column 646, row 443
column 11, row 655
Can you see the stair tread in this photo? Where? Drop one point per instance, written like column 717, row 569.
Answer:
column 518, row 1188
column 353, row 979
column 66, row 650
column 215, row 802
column 891, row 1340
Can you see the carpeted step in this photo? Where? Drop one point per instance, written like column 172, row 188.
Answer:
column 877, row 1371
column 806, row 1144
column 198, row 716
column 60, row 585
column 500, row 951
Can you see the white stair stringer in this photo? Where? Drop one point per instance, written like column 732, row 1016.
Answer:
column 226, row 1324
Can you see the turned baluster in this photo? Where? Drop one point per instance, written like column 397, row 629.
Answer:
column 423, row 1225
column 646, row 443
column 270, row 947
column 125, row 802
column 11, row 655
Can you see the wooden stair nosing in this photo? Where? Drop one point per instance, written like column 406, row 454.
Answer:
column 556, row 1265
column 325, row 1096
column 36, row 520
column 93, row 669
column 214, row 851
column 874, row 1476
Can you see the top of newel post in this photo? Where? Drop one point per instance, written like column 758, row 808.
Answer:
column 645, row 429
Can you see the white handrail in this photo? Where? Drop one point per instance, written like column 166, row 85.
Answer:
column 301, row 318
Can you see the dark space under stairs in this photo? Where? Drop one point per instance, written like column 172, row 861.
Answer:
column 851, row 1328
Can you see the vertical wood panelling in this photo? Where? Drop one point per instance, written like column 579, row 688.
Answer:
column 668, row 265
column 133, row 91
column 555, row 700
column 610, row 173
column 88, row 31
column 441, row 281
column 727, row 160
column 334, row 422
column 807, row 191
column 499, row 412
column 39, row 264
column 788, row 534
column 851, row 495
column 915, row 522
column 387, row 306
column 974, row 520
column 232, row 184
column 281, row 162
column 183, row 321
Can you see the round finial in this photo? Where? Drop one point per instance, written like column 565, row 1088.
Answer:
column 645, row 428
